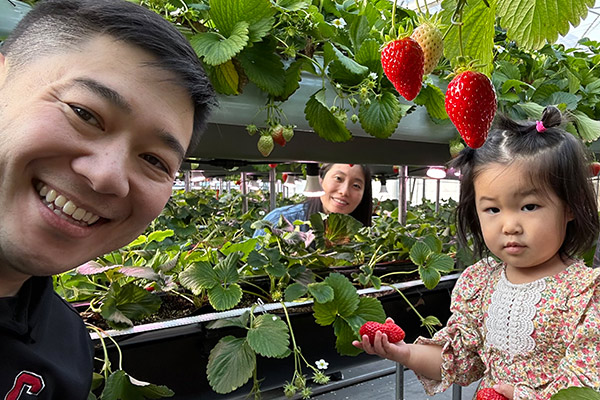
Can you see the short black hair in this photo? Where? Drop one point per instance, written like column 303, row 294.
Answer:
column 556, row 161
column 363, row 211
column 55, row 26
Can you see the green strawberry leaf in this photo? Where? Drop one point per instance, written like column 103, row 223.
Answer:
column 351, row 66
column 224, row 297
column 369, row 309
column 321, row 292
column 380, row 118
column 291, row 79
column 588, row 129
column 264, row 67
column 295, row 291
column 341, row 228
column 198, row 276
column 226, row 269
column 344, row 303
column 322, row 120
column 430, row 276
column 245, row 247
column 238, row 322
column 214, row 49
column 344, row 337
column 292, row 5
column 368, row 55
column 230, row 364
column 433, row 99
column 159, row 236
column 257, row 260
column 359, row 31
column 276, row 269
column 532, row 23
column 258, row 15
column 224, row 78
column 269, row 336
column 127, row 303
column 569, row 100
column 121, row 386
column 531, row 109
column 576, row 393
column 441, row 262
column 419, row 253
column 544, row 91
column 477, row 34
column 434, row 243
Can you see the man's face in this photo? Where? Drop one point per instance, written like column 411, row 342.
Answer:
column 90, row 142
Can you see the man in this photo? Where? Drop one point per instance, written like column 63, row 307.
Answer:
column 99, row 102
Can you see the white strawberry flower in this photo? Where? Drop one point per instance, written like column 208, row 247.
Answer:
column 339, row 22
column 373, row 75
column 322, row 364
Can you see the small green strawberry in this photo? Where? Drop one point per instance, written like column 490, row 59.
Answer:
column 288, row 132
column 265, row 145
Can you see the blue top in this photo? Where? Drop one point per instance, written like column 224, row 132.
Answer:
column 291, row 213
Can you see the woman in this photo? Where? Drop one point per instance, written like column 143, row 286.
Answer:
column 347, row 191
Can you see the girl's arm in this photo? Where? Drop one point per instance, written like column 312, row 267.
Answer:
column 424, row 359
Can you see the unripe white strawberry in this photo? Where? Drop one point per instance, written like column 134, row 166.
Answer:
column 430, row 39
column 265, row 145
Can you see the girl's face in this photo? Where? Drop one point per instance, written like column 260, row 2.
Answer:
column 522, row 226
column 344, row 186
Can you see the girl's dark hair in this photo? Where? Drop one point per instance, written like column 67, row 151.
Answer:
column 362, row 212
column 555, row 161
column 59, row 26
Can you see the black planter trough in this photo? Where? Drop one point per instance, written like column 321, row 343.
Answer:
column 175, row 353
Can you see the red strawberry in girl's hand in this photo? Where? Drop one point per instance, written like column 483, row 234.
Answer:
column 489, row 394
column 393, row 331
column 471, row 106
column 402, row 62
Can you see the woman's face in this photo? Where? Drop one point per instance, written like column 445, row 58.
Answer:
column 344, row 185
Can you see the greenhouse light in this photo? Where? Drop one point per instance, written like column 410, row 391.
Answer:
column 313, row 187
column 436, row 172
column 197, row 176
column 290, row 181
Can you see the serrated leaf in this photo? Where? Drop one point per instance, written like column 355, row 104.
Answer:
column 159, row 236
column 263, row 66
column 258, row 14
column 434, row 243
column 224, row 297
column 543, row 92
column 588, row 129
column 224, row 78
column 531, row 109
column 215, row 49
column 527, row 21
column 292, row 79
column 321, row 292
column 238, row 322
column 198, row 276
column 269, row 336
column 441, row 262
column 568, row 99
column 429, row 276
column 257, row 260
column 230, row 364
column 344, row 336
column 292, row 5
column 128, row 303
column 419, row 252
column 140, row 272
column 477, row 34
column 348, row 63
column 370, row 309
column 433, row 99
column 226, row 269
column 294, row 291
column 120, row 386
column 380, row 118
column 576, row 393
column 341, row 228
column 245, row 247
column 368, row 55
column 323, row 122
column 430, row 320
column 344, row 303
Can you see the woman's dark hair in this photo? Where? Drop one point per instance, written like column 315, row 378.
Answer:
column 362, row 212
column 555, row 161
column 59, row 26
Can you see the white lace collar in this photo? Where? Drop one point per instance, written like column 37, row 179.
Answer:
column 511, row 313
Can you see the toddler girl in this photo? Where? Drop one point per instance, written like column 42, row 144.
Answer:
column 527, row 321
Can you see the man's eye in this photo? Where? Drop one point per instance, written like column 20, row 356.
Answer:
column 530, row 207
column 155, row 161
column 86, row 116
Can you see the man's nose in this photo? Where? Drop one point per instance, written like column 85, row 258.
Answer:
column 106, row 170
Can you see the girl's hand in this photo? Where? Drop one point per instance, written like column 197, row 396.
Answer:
column 505, row 389
column 381, row 347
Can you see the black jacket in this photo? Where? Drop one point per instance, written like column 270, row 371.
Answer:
column 45, row 349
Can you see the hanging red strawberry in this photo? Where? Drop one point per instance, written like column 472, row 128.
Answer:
column 471, row 106
column 402, row 61
column 272, row 165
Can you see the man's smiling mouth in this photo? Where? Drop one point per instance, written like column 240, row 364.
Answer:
column 65, row 208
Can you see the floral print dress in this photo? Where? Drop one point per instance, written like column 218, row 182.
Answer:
column 540, row 337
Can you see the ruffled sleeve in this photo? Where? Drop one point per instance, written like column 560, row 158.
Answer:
column 462, row 338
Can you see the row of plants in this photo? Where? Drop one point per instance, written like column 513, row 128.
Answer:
column 327, row 264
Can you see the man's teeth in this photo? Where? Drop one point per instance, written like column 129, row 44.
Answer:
column 63, row 206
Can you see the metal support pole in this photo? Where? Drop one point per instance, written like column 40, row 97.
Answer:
column 187, row 180
column 456, row 392
column 424, row 194
column 399, row 381
column 437, row 196
column 244, row 187
column 272, row 189
column 402, row 181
